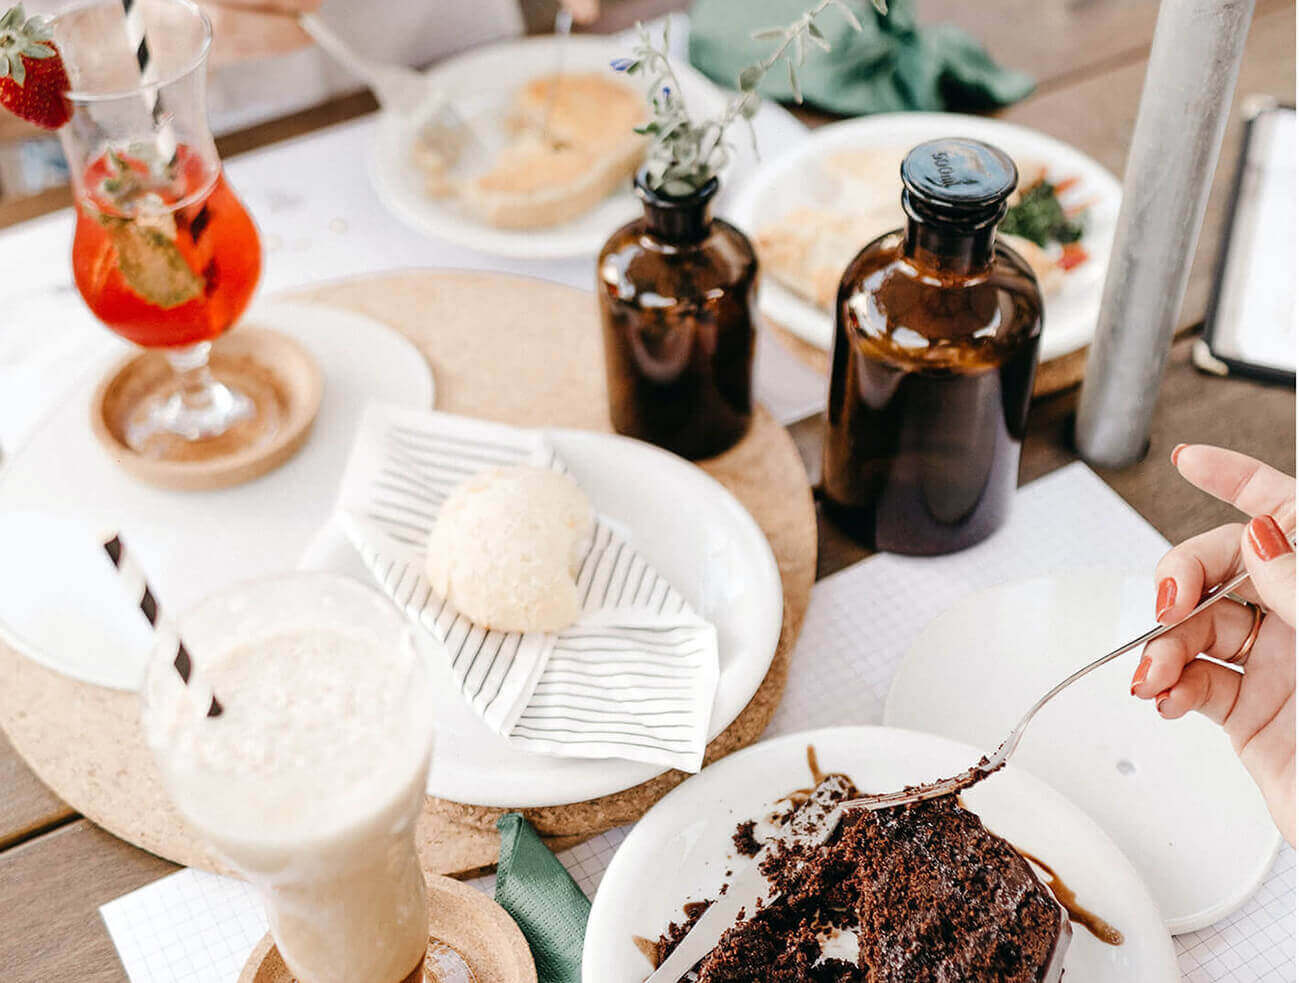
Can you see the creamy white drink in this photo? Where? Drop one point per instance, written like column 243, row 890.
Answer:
column 310, row 780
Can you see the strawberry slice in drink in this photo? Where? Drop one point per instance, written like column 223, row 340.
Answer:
column 32, row 77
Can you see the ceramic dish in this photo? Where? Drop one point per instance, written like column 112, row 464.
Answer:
column 713, row 553
column 482, row 83
column 798, row 178
column 191, row 543
column 1166, row 791
column 682, row 848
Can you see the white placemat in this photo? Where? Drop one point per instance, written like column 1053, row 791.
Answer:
column 1067, row 519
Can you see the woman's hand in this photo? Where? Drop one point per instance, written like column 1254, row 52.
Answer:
column 256, row 28
column 1257, row 707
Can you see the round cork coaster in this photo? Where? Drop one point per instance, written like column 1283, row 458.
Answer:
column 479, row 930
column 274, row 371
column 1053, row 376
column 503, row 348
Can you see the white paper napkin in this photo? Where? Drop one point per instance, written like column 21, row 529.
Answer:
column 633, row 678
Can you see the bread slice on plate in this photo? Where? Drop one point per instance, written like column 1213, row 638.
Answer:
column 554, row 170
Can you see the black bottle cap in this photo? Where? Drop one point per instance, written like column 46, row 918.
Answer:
column 958, row 182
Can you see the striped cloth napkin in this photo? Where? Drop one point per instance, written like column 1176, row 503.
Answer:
column 635, row 676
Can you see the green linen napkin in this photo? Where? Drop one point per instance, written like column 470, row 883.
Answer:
column 533, row 886
column 892, row 65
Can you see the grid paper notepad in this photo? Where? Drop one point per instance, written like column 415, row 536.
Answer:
column 1254, row 945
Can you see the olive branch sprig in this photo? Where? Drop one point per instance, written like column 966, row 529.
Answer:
column 685, row 154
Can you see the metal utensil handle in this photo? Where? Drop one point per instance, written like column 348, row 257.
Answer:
column 1210, row 598
column 327, row 38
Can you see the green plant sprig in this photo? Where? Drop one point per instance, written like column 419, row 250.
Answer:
column 685, row 154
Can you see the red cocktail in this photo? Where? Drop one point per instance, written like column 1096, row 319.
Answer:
column 164, row 253
column 166, row 262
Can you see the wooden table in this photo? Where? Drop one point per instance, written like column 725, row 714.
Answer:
column 1089, row 57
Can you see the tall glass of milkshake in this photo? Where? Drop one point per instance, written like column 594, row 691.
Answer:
column 310, row 780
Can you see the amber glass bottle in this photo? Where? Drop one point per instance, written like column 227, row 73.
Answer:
column 676, row 294
column 935, row 348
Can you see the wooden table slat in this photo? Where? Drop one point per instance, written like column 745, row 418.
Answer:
column 27, row 807
column 50, row 892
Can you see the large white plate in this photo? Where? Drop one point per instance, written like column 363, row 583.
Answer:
column 190, row 543
column 795, row 179
column 682, row 848
column 1172, row 794
column 713, row 553
column 481, row 83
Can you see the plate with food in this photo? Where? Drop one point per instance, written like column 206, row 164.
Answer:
column 1009, row 883
column 548, row 171
column 810, row 211
column 585, row 634
column 1138, row 775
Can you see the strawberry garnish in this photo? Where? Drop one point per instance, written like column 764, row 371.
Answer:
column 32, row 77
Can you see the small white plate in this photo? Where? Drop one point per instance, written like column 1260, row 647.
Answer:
column 189, row 543
column 795, row 179
column 682, row 847
column 481, row 83
column 712, row 552
column 1172, row 794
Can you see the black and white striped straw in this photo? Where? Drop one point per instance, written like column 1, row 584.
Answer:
column 182, row 662
column 137, row 38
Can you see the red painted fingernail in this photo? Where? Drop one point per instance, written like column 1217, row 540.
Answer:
column 1160, row 700
column 1177, row 450
column 1165, row 597
column 1139, row 676
column 1266, row 538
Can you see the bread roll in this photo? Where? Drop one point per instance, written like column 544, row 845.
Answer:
column 506, row 548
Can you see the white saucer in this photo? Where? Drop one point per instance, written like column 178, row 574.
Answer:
column 189, row 543
column 682, row 848
column 1171, row 793
column 481, row 83
column 794, row 179
column 712, row 552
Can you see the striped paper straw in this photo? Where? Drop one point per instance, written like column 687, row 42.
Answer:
column 184, row 665
column 136, row 36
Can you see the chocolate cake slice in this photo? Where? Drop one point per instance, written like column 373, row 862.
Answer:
column 922, row 894
column 943, row 900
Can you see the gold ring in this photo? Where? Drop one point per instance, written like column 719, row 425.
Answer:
column 1247, row 645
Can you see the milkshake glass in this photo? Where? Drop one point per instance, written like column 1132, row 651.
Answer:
column 310, row 780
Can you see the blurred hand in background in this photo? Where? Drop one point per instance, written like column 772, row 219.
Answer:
column 256, row 28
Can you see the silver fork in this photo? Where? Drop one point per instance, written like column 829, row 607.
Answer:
column 987, row 766
column 437, row 125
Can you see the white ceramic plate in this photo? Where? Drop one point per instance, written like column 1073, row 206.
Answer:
column 712, row 552
column 796, row 179
column 189, row 543
column 682, row 848
column 1171, row 793
column 481, row 83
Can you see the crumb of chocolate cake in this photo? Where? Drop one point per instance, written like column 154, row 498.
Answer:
column 648, row 949
column 746, row 844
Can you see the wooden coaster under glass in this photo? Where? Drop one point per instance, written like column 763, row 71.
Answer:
column 275, row 381
column 471, row 940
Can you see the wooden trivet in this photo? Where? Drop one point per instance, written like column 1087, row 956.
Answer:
column 1056, row 375
column 503, row 348
column 470, row 922
column 274, row 371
